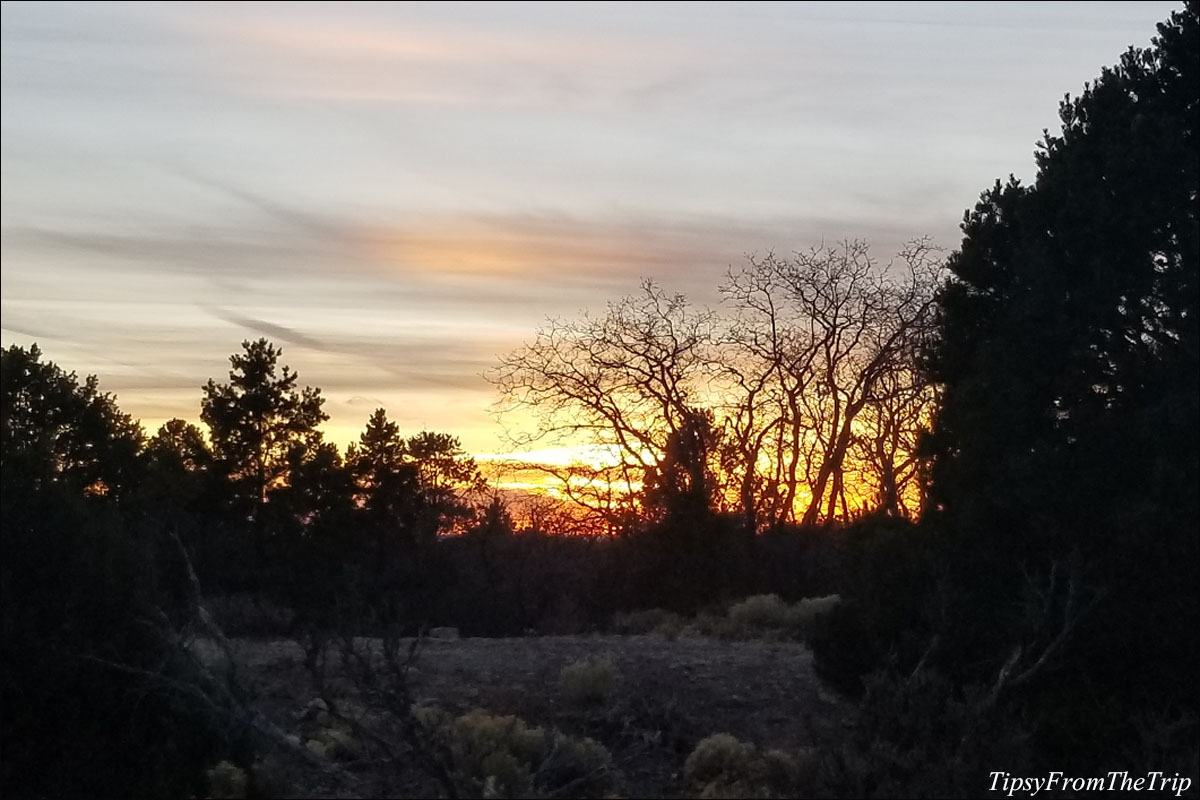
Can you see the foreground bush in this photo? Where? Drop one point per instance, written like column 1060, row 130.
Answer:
column 768, row 614
column 99, row 697
column 916, row 736
column 502, row 756
column 722, row 766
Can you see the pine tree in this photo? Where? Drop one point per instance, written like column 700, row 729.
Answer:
column 259, row 420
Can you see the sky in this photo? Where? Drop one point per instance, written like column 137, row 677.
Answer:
column 398, row 194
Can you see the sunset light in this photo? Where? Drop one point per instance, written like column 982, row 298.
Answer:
column 599, row 399
column 399, row 195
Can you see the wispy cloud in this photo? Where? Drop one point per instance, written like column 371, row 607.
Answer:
column 399, row 192
column 269, row 329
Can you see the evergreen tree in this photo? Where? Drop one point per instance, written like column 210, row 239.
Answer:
column 99, row 697
column 56, row 429
column 444, row 475
column 259, row 420
column 1067, row 439
column 385, row 483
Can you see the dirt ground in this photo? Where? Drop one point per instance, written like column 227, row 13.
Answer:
column 668, row 695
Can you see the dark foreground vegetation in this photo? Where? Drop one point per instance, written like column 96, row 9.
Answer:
column 1040, row 614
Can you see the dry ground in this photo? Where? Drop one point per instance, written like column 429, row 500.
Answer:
column 668, row 695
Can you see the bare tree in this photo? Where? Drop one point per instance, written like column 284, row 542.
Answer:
column 810, row 388
column 818, row 340
column 625, row 381
column 885, row 449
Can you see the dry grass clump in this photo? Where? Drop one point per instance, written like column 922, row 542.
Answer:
column 503, row 756
column 589, row 681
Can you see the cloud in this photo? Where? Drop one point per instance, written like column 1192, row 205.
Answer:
column 183, row 249
column 409, row 56
column 575, row 254
column 268, row 329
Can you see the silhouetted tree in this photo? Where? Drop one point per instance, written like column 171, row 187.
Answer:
column 813, row 378
column 181, row 497
column 445, row 474
column 179, row 473
column 99, row 698
column 624, row 381
column 320, row 490
column 179, row 447
column 681, row 487
column 1068, row 430
column 688, row 555
column 820, row 356
column 386, row 483
column 258, row 420
column 56, row 429
column 387, row 492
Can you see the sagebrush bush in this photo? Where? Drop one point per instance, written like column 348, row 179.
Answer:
column 226, row 781
column 503, row 756
column 762, row 616
column 716, row 627
column 802, row 617
column 768, row 615
column 588, row 682
column 762, row 611
column 722, row 766
column 334, row 742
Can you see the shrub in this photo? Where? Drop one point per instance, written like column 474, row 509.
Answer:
column 99, row 697
column 503, row 756
column 802, row 617
column 792, row 773
column 722, row 766
column 226, row 781
column 717, row 627
column 892, row 604
column 762, row 611
column 768, row 614
column 670, row 628
column 588, row 682
column 334, row 742
column 917, row 736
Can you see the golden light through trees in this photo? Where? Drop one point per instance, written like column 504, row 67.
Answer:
column 807, row 382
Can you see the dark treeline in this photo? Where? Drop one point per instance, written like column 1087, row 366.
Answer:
column 399, row 530
column 1039, row 613
column 118, row 545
